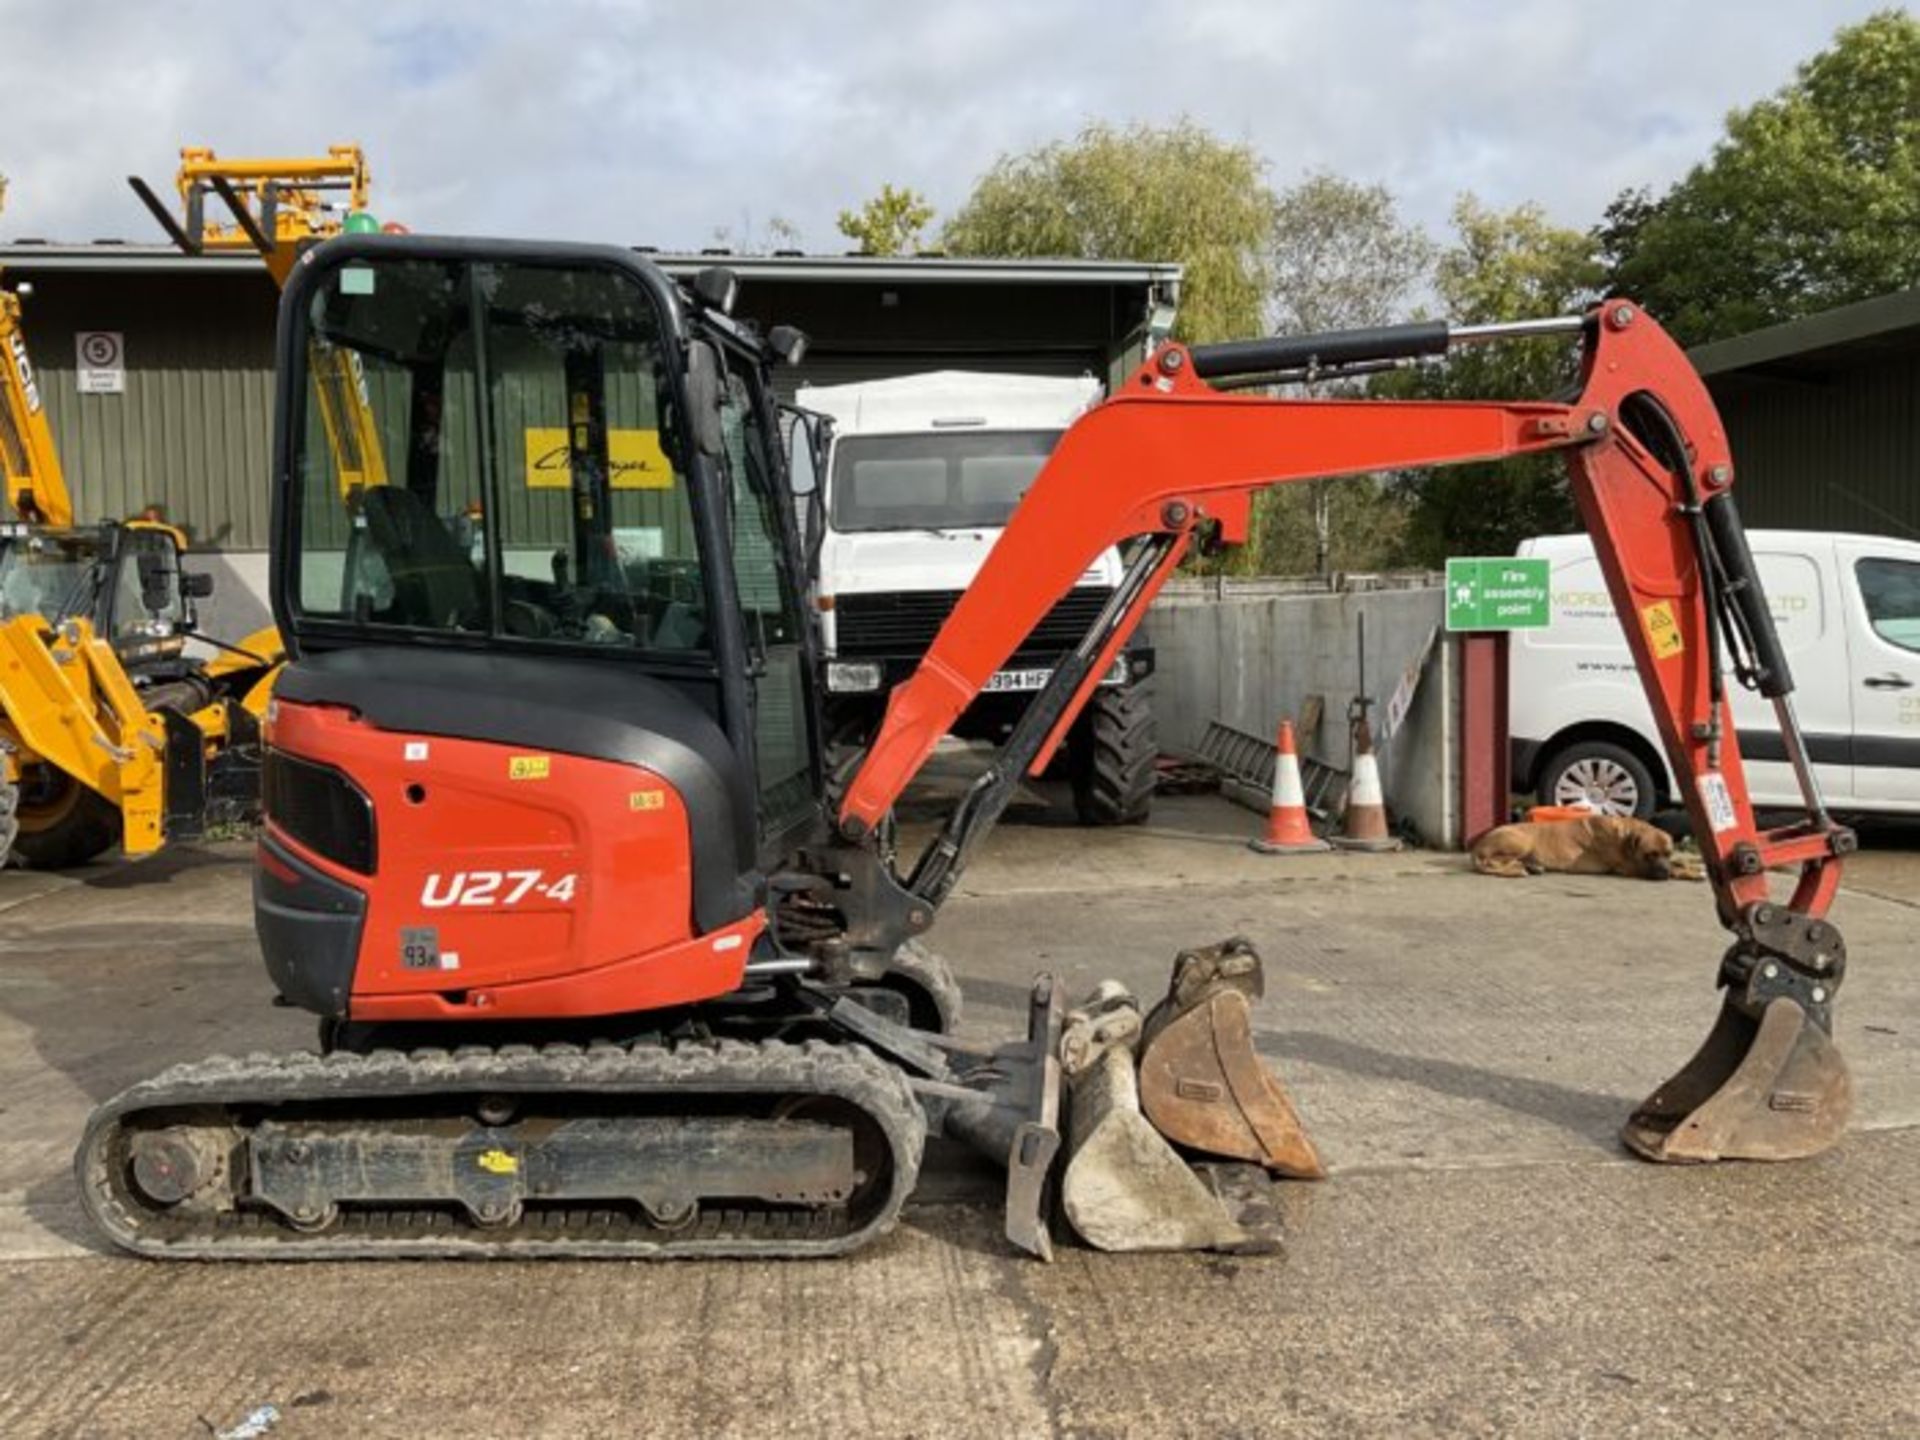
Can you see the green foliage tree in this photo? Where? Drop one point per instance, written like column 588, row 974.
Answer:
column 888, row 224
column 1137, row 192
column 1501, row 266
column 1341, row 258
column 1811, row 199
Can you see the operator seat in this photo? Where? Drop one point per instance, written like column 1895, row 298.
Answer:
column 434, row 583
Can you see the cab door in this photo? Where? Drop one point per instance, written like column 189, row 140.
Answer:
column 1882, row 586
column 762, row 539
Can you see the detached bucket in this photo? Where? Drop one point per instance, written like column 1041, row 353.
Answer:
column 1124, row 1188
column 1769, row 1083
column 1202, row 1083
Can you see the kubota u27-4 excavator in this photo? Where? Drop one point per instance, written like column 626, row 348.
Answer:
column 606, row 963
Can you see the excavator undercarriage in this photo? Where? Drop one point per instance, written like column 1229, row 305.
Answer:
column 609, row 964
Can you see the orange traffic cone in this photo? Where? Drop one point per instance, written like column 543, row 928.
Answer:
column 1364, row 825
column 1288, row 830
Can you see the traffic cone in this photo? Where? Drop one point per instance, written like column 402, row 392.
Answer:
column 1288, row 830
column 1364, row 825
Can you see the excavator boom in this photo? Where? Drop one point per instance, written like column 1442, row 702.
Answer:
column 1171, row 455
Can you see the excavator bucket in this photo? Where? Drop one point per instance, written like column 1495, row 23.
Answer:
column 1202, row 1083
column 1775, row 1088
column 1124, row 1188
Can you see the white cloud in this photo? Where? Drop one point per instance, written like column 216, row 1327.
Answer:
column 655, row 123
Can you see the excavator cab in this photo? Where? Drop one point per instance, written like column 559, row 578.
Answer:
column 584, row 553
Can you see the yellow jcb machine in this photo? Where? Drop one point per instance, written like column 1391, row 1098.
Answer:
column 109, row 730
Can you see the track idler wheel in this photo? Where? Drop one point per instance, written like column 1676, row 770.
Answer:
column 1769, row 1083
column 1202, row 1083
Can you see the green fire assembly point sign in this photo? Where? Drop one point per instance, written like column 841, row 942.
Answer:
column 1498, row 594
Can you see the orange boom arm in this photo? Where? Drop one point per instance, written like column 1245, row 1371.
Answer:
column 1169, row 453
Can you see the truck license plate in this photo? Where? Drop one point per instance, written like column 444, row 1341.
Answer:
column 1003, row 681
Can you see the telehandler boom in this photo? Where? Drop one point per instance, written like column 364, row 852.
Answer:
column 608, row 964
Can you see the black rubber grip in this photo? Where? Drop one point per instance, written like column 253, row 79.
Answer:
column 1327, row 349
column 1774, row 677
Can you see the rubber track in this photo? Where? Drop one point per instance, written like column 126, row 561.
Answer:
column 730, row 1067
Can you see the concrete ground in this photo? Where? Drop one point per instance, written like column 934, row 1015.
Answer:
column 1484, row 1259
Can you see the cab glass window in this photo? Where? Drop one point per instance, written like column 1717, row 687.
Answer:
column 489, row 450
column 1891, row 590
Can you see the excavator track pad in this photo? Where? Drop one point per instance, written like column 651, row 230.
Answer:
column 1202, row 1083
column 715, row 1148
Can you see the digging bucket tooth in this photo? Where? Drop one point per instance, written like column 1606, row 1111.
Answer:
column 1124, row 1187
column 1202, row 1083
column 1769, row 1083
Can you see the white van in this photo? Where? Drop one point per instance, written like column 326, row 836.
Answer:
column 918, row 478
column 1848, row 612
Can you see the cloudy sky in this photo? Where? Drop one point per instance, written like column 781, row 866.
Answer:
column 651, row 123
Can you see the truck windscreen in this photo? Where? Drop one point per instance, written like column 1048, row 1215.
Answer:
column 945, row 480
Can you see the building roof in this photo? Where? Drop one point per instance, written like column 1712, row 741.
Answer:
column 127, row 256
column 1803, row 349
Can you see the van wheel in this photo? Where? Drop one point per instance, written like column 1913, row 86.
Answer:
column 1610, row 778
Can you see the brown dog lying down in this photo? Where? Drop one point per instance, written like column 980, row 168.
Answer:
column 1594, row 845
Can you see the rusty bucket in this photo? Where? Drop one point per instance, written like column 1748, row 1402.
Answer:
column 1202, row 1083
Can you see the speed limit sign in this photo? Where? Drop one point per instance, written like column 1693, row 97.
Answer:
column 102, row 357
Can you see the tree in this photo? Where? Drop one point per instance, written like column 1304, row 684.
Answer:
column 1810, row 200
column 1341, row 258
column 748, row 238
column 1138, row 192
column 888, row 224
column 1501, row 266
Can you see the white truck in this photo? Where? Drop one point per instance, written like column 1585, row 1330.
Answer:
column 918, row 476
column 1848, row 612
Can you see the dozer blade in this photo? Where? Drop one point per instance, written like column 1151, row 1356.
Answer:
column 1772, row 1089
column 1124, row 1188
column 1202, row 1083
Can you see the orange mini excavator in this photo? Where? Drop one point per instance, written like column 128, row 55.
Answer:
column 608, row 963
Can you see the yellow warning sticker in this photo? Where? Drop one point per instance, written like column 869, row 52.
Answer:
column 637, row 460
column 529, row 767
column 498, row 1162
column 647, row 800
column 1663, row 631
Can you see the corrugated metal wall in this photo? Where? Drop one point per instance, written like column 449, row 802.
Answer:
column 1836, row 451
column 193, row 429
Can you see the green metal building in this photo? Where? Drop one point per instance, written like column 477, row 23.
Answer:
column 191, row 428
column 1824, row 416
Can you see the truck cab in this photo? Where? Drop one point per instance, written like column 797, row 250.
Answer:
column 918, row 477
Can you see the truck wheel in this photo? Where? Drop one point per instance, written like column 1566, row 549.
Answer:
column 1609, row 777
column 1111, row 757
column 61, row 822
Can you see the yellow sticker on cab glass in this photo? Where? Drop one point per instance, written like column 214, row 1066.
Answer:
column 647, row 800
column 529, row 767
column 636, row 457
column 1663, row 631
column 499, row 1162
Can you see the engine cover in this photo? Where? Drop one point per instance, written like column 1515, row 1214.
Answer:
column 501, row 881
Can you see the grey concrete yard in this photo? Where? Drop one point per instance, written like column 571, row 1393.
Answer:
column 1484, row 1259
